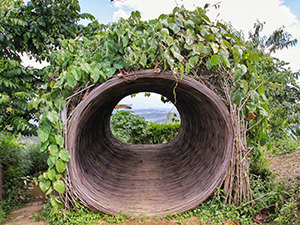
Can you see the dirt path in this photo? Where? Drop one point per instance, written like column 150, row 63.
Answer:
column 287, row 167
column 190, row 221
column 25, row 215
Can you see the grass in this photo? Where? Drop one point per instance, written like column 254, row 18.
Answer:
column 284, row 146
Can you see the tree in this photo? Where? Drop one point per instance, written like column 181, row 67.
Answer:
column 281, row 85
column 278, row 40
column 34, row 29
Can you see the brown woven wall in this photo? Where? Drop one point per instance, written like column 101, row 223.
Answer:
column 149, row 179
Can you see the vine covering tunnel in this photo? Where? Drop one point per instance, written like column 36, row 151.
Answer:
column 155, row 180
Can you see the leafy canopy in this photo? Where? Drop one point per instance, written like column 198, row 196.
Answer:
column 34, row 29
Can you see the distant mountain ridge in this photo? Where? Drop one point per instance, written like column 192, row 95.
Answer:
column 157, row 115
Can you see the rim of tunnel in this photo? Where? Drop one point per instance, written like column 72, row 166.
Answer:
column 82, row 174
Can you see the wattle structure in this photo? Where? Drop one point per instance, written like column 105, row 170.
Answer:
column 152, row 180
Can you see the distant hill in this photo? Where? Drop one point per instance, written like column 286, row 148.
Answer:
column 157, row 115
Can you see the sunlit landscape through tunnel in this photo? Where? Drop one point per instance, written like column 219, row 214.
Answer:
column 152, row 180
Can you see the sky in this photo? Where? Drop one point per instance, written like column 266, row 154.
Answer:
column 141, row 102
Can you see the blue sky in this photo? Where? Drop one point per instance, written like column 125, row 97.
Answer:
column 103, row 10
column 294, row 5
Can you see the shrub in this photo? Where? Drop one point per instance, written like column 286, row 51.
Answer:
column 162, row 132
column 19, row 164
column 285, row 146
column 14, row 167
column 38, row 160
column 133, row 129
column 129, row 128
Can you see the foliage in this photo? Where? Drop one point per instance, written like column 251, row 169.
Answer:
column 288, row 213
column 281, row 84
column 15, row 83
column 33, row 29
column 283, row 93
column 38, row 160
column 271, row 199
column 285, row 146
column 128, row 127
column 133, row 129
column 14, row 168
column 183, row 42
column 278, row 40
column 80, row 216
column 160, row 133
column 37, row 27
column 19, row 164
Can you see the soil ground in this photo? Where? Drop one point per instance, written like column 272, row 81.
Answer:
column 287, row 167
column 25, row 215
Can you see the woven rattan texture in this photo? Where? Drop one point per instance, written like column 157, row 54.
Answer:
column 152, row 180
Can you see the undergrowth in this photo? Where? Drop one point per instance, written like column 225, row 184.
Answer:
column 285, row 146
column 272, row 201
column 79, row 216
column 20, row 163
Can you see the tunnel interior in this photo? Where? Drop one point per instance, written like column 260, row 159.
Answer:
column 152, row 180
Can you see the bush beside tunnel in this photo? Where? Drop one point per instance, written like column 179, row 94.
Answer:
column 155, row 180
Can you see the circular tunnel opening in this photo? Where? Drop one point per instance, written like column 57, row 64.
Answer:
column 152, row 180
column 145, row 118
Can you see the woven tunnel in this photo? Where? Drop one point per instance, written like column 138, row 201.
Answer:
column 152, row 180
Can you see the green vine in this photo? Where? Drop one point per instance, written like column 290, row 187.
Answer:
column 185, row 42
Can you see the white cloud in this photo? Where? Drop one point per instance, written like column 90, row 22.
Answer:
column 152, row 9
column 140, row 101
column 241, row 13
column 26, row 61
column 121, row 13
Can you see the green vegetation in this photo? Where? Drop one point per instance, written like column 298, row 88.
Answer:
column 80, row 216
column 35, row 30
column 133, row 129
column 271, row 201
column 264, row 91
column 183, row 42
column 20, row 164
column 285, row 146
